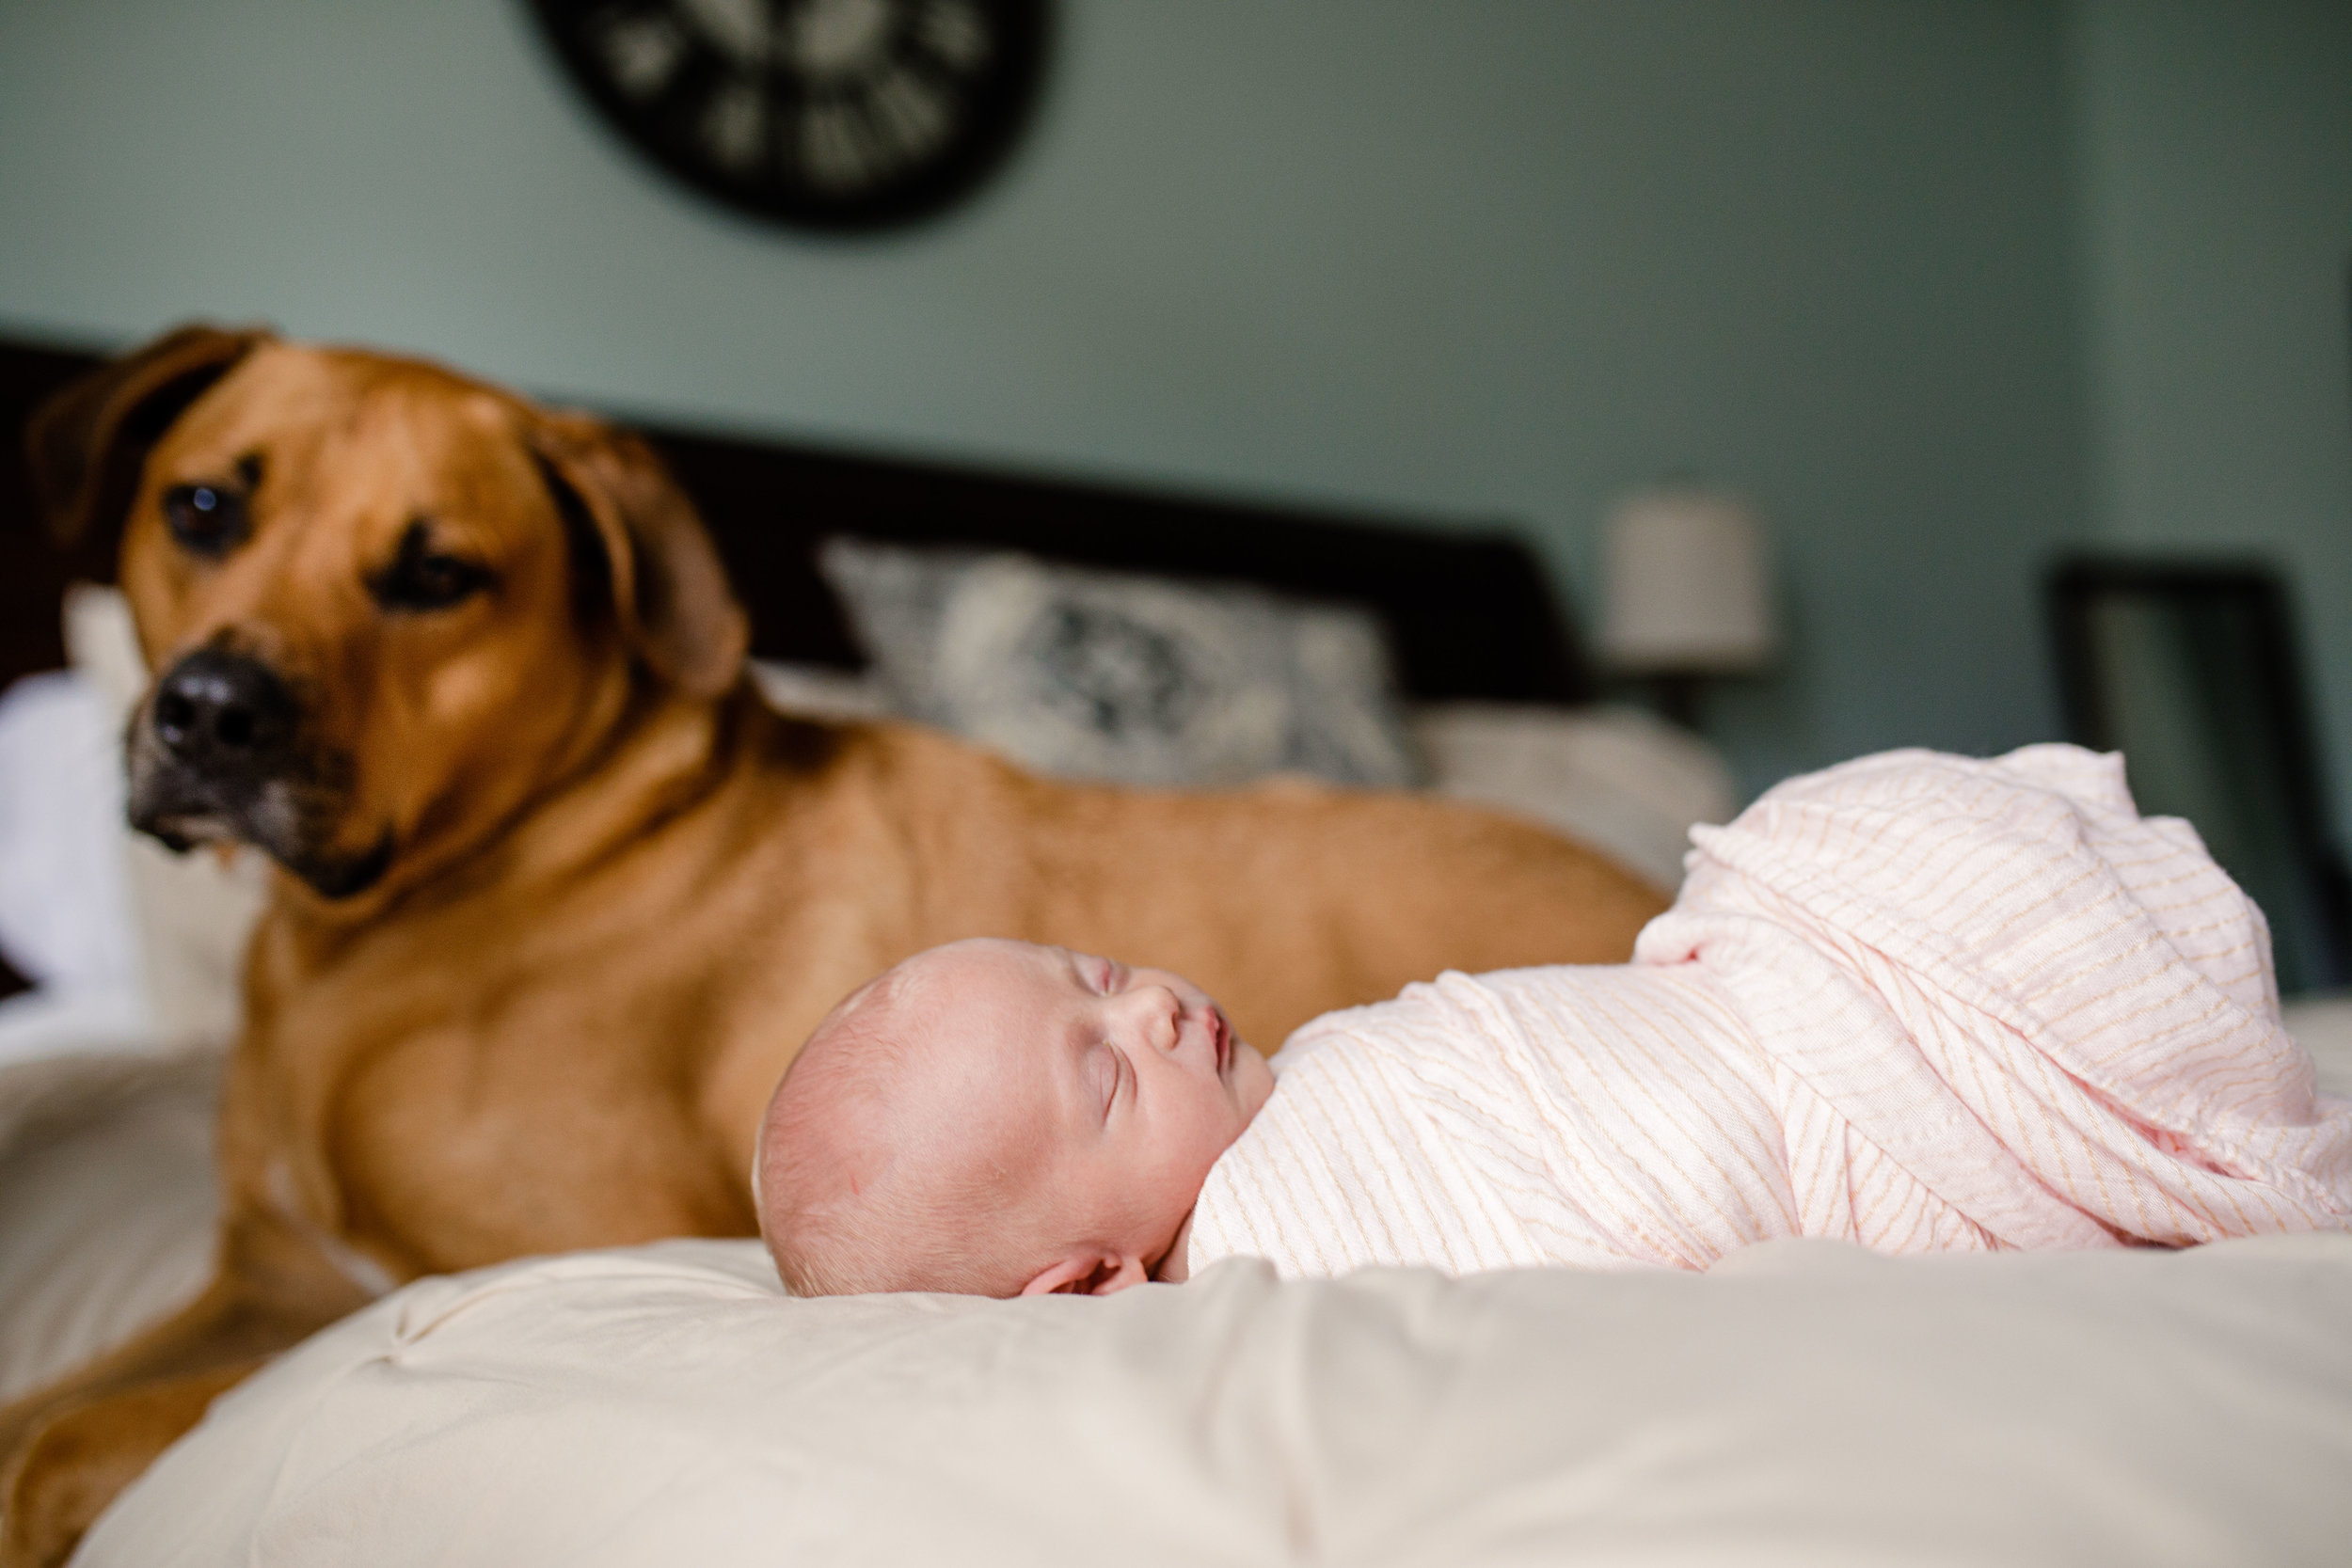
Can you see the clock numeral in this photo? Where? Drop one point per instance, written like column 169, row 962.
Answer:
column 866, row 137
column 908, row 114
column 734, row 125
column 640, row 51
column 952, row 33
column 832, row 39
column 835, row 152
column 740, row 29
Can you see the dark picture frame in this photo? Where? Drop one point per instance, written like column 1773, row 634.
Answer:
column 2192, row 670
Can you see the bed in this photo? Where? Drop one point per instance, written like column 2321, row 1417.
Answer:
column 1802, row 1403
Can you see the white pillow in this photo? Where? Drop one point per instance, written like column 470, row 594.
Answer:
column 1620, row 780
column 819, row 691
column 64, row 898
column 161, row 968
column 1116, row 675
column 1806, row 1404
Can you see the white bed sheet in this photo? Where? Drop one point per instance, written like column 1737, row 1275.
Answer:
column 1806, row 1404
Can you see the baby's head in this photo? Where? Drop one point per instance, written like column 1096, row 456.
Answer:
column 999, row 1118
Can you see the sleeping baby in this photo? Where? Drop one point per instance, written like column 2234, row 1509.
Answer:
column 1917, row 1002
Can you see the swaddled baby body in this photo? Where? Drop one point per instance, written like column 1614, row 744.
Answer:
column 1918, row 1002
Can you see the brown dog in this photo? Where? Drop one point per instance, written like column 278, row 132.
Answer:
column 560, row 897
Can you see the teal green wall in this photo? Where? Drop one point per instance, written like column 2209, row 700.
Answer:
column 1472, row 259
column 2214, row 158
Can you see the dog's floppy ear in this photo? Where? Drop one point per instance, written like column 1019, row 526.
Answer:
column 668, row 587
column 84, row 446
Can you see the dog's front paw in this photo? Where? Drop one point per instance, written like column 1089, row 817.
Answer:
column 61, row 1479
column 76, row 1461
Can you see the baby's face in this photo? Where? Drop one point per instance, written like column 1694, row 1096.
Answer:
column 1109, row 1092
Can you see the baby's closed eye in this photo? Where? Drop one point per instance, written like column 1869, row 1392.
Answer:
column 1102, row 1075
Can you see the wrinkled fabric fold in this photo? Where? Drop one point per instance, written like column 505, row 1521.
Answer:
column 1917, row 1002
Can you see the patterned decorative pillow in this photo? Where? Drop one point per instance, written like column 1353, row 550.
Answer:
column 1110, row 676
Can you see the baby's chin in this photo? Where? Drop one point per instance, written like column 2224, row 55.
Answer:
column 1253, row 1081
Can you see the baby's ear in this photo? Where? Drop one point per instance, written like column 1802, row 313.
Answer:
column 1088, row 1273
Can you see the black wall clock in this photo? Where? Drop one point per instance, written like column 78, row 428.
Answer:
column 821, row 113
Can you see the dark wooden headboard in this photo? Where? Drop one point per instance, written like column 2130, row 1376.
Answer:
column 1470, row 611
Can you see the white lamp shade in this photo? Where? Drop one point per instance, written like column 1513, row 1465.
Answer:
column 1687, row 589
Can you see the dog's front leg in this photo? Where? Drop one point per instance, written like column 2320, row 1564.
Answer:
column 78, row 1459
column 68, row 1450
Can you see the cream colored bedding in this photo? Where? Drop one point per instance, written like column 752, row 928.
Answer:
column 1804, row 1404
column 106, row 1203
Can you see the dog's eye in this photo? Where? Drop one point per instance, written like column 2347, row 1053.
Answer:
column 421, row 577
column 206, row 519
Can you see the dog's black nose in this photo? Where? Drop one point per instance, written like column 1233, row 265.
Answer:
column 221, row 711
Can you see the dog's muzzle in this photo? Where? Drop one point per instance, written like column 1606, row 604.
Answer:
column 225, row 718
column 218, row 755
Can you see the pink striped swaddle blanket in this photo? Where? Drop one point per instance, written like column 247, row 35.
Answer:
column 1918, row 1002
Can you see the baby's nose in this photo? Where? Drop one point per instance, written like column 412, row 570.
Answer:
column 1158, row 1013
